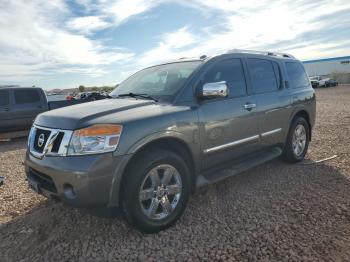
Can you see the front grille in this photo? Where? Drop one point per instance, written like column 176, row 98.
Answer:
column 45, row 181
column 41, row 137
column 57, row 143
column 48, row 141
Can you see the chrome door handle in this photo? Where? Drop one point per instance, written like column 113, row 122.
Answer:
column 249, row 106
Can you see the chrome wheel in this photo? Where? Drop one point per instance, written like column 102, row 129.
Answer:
column 160, row 192
column 299, row 140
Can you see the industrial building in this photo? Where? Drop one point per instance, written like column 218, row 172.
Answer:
column 336, row 67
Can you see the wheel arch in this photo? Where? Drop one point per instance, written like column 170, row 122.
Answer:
column 174, row 144
column 302, row 113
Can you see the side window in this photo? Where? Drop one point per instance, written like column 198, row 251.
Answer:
column 4, row 98
column 263, row 75
column 29, row 96
column 297, row 75
column 231, row 71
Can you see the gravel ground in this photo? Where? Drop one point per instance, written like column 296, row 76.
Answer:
column 275, row 212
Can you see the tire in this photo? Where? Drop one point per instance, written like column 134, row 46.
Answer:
column 141, row 176
column 290, row 152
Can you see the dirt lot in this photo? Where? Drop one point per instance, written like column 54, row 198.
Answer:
column 275, row 212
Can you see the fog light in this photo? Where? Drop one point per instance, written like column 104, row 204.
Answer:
column 68, row 191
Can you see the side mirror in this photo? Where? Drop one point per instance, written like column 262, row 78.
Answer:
column 214, row 90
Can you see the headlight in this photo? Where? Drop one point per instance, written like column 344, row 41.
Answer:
column 95, row 139
column 31, row 136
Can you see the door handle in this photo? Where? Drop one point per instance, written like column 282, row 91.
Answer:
column 249, row 106
column 5, row 108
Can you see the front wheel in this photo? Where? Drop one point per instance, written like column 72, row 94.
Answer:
column 156, row 190
column 297, row 141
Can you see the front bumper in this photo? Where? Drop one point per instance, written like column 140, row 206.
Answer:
column 80, row 181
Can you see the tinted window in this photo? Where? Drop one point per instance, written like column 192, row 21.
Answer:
column 230, row 71
column 23, row 96
column 263, row 75
column 297, row 75
column 4, row 98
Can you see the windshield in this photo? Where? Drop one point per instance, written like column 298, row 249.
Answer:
column 160, row 82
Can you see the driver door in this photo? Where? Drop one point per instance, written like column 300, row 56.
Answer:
column 228, row 126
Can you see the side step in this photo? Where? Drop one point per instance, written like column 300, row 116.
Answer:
column 234, row 168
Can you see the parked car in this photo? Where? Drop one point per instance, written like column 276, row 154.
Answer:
column 332, row 82
column 322, row 81
column 314, row 80
column 172, row 128
column 91, row 96
column 94, row 96
column 20, row 105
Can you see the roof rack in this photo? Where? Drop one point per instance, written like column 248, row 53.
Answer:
column 260, row 53
column 190, row 58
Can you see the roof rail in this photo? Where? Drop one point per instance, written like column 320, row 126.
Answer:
column 260, row 53
column 185, row 57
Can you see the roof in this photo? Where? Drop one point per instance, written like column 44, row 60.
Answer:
column 326, row 59
column 17, row 86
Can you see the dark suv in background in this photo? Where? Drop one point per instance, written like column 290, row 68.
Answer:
column 19, row 106
column 171, row 128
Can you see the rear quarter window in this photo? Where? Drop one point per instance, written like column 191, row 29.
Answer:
column 4, row 98
column 297, row 75
column 264, row 74
column 29, row 96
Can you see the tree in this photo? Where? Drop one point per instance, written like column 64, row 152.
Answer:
column 81, row 88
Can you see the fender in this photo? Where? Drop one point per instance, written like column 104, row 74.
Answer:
column 191, row 141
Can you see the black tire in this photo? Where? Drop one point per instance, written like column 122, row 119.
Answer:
column 135, row 177
column 288, row 153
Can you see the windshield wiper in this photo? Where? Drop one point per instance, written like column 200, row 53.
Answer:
column 138, row 95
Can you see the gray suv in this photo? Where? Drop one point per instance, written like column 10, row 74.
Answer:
column 171, row 128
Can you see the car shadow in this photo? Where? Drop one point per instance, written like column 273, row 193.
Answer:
column 302, row 207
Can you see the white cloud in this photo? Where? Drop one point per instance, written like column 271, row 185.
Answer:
column 122, row 10
column 253, row 25
column 179, row 38
column 32, row 38
column 88, row 24
column 171, row 46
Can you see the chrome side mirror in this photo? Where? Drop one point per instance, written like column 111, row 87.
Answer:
column 214, row 90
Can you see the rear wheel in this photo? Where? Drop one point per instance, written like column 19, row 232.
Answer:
column 297, row 141
column 156, row 190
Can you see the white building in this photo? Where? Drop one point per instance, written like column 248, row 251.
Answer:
column 338, row 67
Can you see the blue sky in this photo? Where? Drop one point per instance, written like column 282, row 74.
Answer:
column 65, row 43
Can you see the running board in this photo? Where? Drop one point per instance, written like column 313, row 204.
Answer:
column 233, row 168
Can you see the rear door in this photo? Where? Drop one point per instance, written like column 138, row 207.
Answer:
column 5, row 114
column 227, row 129
column 28, row 103
column 273, row 100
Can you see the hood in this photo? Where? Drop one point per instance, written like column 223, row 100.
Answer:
column 81, row 115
